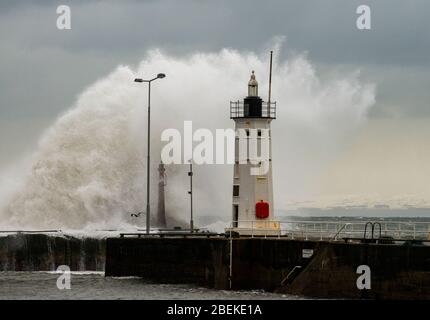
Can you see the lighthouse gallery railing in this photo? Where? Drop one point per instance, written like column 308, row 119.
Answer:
column 238, row 110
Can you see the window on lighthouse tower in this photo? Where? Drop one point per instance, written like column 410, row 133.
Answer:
column 253, row 86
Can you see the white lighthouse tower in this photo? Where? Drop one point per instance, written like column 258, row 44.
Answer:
column 253, row 210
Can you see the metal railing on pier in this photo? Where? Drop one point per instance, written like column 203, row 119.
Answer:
column 332, row 230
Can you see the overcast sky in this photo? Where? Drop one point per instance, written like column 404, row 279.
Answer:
column 43, row 69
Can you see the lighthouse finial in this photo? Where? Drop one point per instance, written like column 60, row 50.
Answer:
column 253, row 86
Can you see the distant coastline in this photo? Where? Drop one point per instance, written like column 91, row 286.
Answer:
column 358, row 211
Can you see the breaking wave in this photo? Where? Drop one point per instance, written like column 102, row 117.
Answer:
column 88, row 170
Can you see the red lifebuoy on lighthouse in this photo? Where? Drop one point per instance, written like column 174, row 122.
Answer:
column 262, row 209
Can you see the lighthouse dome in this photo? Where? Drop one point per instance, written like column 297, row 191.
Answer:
column 253, row 86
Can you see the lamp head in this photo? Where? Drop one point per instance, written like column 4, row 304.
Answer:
column 138, row 80
column 161, row 75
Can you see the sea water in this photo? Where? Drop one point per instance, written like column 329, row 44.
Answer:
column 94, row 285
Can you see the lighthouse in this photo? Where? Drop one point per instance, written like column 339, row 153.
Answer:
column 252, row 207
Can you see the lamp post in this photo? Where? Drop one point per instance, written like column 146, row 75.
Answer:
column 190, row 174
column 148, row 210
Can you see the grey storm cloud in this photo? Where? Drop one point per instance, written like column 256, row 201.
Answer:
column 43, row 69
column 324, row 28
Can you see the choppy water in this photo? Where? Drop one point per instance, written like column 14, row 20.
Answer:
column 43, row 285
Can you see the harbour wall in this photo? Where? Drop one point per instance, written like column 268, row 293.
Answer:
column 42, row 252
column 170, row 260
column 307, row 268
column 397, row 272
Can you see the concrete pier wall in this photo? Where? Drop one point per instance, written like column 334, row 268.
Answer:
column 397, row 272
column 170, row 260
column 256, row 263
column 265, row 263
column 41, row 252
column 307, row 268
